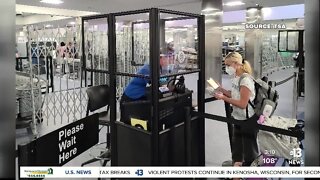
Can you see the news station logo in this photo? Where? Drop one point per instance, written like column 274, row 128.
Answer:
column 39, row 173
column 297, row 159
column 139, row 172
column 265, row 26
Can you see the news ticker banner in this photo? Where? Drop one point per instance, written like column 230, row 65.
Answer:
column 169, row 172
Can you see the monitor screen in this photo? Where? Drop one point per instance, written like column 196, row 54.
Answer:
column 165, row 80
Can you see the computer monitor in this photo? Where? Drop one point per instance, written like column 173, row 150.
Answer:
column 164, row 80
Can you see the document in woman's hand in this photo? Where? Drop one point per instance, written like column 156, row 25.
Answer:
column 212, row 83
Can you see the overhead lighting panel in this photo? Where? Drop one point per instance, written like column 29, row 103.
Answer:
column 234, row 3
column 52, row 1
column 209, row 9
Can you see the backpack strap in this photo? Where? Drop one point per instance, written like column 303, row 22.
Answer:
column 242, row 77
column 251, row 104
column 247, row 112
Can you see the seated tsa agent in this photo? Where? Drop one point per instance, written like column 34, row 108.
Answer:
column 136, row 89
column 244, row 140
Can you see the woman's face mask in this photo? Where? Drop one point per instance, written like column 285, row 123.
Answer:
column 230, row 70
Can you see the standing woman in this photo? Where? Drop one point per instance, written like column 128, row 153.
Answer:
column 62, row 51
column 244, row 139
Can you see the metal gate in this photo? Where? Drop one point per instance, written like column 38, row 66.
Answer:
column 49, row 82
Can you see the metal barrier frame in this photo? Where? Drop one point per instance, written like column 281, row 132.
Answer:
column 154, row 64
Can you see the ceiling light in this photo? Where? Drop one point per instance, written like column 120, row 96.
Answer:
column 215, row 13
column 208, row 9
column 19, row 13
column 209, row 21
column 72, row 23
column 48, row 25
column 234, row 3
column 266, row 12
column 52, row 1
column 252, row 10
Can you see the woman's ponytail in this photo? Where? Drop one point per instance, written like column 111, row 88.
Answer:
column 246, row 67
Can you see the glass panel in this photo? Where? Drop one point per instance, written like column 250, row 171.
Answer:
column 96, row 44
column 132, row 49
column 140, row 45
column 293, row 40
column 132, row 42
column 283, row 41
column 178, row 43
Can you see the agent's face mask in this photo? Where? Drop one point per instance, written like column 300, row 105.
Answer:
column 230, row 70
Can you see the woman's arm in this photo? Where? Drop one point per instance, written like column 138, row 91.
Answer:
column 225, row 92
column 242, row 102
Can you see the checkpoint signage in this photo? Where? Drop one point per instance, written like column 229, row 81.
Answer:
column 61, row 145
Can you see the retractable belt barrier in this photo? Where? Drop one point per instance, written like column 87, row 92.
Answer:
column 295, row 90
column 298, row 134
column 285, row 80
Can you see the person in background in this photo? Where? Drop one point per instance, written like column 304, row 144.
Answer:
column 71, row 50
column 244, row 140
column 18, row 62
column 171, row 56
column 17, row 52
column 62, row 52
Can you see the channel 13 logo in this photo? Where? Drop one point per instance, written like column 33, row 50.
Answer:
column 297, row 159
column 139, row 172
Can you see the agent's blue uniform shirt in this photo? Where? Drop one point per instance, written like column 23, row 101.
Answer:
column 137, row 86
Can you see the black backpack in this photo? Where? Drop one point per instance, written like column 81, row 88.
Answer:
column 266, row 97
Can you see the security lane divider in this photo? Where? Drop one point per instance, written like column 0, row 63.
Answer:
column 295, row 91
column 250, row 124
column 285, row 80
column 209, row 99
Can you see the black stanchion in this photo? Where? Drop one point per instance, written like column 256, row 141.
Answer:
column 230, row 126
column 187, row 135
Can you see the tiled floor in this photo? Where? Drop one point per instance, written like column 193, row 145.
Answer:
column 217, row 147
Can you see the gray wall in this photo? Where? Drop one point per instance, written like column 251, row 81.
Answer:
column 253, row 39
column 7, row 86
column 213, row 36
column 312, row 82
